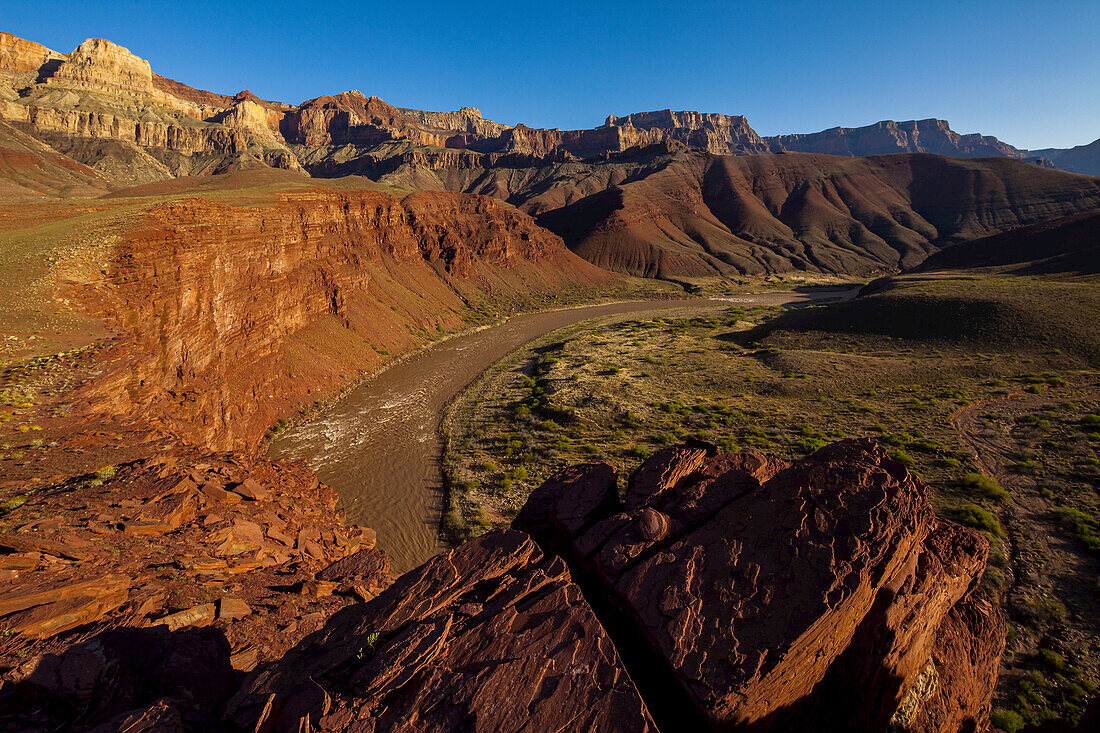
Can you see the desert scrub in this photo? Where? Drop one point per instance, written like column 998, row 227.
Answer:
column 981, row 519
column 986, row 486
column 1080, row 525
column 703, row 377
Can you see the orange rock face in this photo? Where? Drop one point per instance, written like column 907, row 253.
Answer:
column 247, row 311
column 97, row 65
column 24, row 56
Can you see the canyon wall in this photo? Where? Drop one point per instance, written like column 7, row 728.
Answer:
column 103, row 92
column 232, row 316
column 658, row 194
column 881, row 138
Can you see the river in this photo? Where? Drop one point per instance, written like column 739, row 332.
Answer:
column 380, row 446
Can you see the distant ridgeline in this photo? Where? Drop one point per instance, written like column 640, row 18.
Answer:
column 658, row 194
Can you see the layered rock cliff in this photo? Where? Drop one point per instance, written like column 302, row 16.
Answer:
column 235, row 315
column 882, row 138
column 101, row 103
column 714, row 133
column 658, row 194
column 104, row 93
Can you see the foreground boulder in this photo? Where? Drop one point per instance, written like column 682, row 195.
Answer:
column 824, row 594
column 725, row 592
column 492, row 636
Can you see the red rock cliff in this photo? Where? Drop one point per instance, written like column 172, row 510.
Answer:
column 235, row 315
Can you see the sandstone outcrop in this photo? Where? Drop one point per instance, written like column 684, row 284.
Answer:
column 492, row 635
column 101, row 103
column 712, row 133
column 756, row 596
column 21, row 62
column 720, row 592
column 101, row 621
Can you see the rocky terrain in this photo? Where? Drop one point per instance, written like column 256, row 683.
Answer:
column 669, row 607
column 1080, row 159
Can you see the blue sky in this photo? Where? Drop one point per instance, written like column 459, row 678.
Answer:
column 1026, row 72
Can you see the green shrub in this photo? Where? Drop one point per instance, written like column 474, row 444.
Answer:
column 810, row 445
column 900, row 456
column 1007, row 720
column 1042, row 610
column 985, row 485
column 1085, row 528
column 974, row 516
column 12, row 504
column 1052, row 659
column 107, row 472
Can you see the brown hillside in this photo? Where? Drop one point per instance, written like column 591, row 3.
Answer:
column 1070, row 246
column 699, row 215
column 30, row 169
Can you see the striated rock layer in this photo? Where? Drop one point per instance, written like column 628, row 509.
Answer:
column 725, row 592
column 103, row 92
column 690, row 214
column 882, row 138
column 231, row 316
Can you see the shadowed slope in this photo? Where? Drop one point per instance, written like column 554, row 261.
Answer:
column 30, row 169
column 1070, row 245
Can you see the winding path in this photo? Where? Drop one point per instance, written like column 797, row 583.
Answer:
column 380, row 447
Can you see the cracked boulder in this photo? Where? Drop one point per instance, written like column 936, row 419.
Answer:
column 747, row 594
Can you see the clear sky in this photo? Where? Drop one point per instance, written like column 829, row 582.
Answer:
column 1026, row 72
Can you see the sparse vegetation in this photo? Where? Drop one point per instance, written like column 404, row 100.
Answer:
column 974, row 516
column 789, row 383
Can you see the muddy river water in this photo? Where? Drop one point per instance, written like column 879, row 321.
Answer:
column 380, row 446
